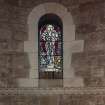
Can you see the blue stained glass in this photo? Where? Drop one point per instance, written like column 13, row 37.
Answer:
column 50, row 48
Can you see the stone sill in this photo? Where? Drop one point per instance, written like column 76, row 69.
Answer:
column 45, row 91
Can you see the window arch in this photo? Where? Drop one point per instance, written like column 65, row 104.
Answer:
column 70, row 45
column 50, row 44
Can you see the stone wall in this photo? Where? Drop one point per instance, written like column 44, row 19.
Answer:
column 89, row 19
column 53, row 100
column 13, row 31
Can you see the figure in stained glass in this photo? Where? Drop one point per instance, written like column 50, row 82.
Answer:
column 50, row 45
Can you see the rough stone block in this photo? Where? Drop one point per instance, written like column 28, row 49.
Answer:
column 23, row 82
column 95, row 41
column 20, row 65
column 5, row 32
column 46, row 83
column 17, row 46
column 4, row 13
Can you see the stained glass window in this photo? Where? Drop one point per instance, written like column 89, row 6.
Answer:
column 50, row 49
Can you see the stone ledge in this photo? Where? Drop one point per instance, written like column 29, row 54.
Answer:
column 45, row 91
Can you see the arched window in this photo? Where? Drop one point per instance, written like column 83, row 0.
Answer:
column 50, row 47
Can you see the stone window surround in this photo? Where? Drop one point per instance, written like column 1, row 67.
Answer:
column 70, row 45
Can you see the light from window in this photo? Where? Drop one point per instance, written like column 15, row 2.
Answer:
column 50, row 48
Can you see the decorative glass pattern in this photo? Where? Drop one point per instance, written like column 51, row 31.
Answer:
column 50, row 48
